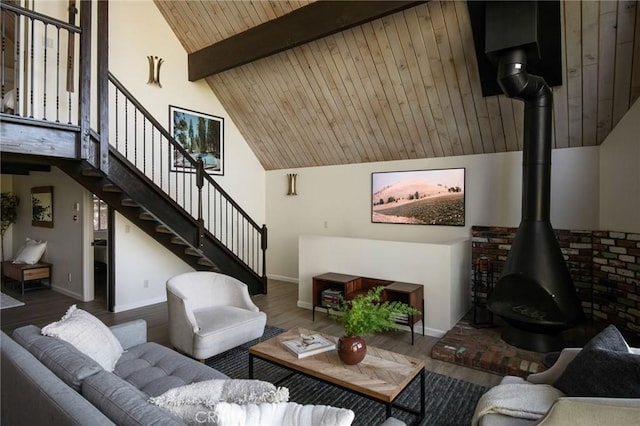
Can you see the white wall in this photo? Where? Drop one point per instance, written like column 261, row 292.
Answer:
column 139, row 258
column 340, row 196
column 620, row 175
column 142, row 267
column 441, row 268
column 6, row 185
column 130, row 42
column 69, row 241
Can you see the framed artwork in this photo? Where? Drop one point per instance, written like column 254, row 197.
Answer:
column 420, row 197
column 201, row 135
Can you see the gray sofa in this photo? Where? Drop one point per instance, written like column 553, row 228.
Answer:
column 48, row 381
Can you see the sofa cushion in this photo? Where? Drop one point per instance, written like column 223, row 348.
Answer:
column 603, row 368
column 154, row 369
column 88, row 334
column 123, row 403
column 62, row 358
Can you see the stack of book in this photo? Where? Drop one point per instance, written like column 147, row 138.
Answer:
column 401, row 318
column 331, row 298
column 308, row 346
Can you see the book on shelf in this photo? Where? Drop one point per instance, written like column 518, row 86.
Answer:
column 311, row 345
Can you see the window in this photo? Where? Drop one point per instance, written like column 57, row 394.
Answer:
column 99, row 214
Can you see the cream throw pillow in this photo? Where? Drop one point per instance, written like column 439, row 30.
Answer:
column 89, row 335
column 31, row 252
column 196, row 401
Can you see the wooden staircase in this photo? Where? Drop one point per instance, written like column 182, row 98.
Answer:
column 127, row 159
column 133, row 195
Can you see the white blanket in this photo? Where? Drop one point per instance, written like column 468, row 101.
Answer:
column 521, row 400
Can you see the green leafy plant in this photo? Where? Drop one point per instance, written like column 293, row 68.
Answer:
column 8, row 216
column 367, row 314
column 40, row 211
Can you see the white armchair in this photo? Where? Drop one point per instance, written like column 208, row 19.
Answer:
column 210, row 313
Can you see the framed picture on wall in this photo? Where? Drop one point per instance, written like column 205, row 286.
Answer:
column 201, row 135
column 418, row 197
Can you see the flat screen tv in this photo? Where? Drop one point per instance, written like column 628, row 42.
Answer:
column 418, row 197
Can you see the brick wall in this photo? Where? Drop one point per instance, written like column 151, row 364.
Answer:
column 604, row 266
column 616, row 279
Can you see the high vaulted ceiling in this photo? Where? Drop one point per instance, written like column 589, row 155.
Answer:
column 406, row 86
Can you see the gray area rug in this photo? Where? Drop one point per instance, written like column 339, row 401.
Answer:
column 7, row 302
column 448, row 401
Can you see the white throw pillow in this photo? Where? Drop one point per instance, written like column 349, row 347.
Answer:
column 283, row 413
column 89, row 335
column 30, row 252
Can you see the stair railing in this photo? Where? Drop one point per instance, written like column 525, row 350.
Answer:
column 140, row 138
column 38, row 74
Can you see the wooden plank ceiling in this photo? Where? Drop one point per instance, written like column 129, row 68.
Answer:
column 406, row 86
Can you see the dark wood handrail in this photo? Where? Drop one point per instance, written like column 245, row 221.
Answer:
column 40, row 17
column 179, row 147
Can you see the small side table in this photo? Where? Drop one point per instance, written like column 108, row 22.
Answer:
column 412, row 295
column 23, row 272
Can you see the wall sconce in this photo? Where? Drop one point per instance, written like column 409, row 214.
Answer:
column 154, row 70
column 291, row 179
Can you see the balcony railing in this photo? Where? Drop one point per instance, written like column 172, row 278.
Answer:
column 39, row 66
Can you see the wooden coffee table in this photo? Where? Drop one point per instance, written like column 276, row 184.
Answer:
column 381, row 376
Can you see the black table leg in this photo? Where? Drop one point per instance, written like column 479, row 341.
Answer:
column 250, row 366
column 422, row 401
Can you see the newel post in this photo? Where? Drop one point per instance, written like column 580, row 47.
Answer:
column 200, row 184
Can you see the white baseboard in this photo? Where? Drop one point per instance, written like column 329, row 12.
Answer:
column 283, row 278
column 417, row 327
column 67, row 292
column 139, row 304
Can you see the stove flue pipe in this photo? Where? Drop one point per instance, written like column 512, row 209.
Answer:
column 536, row 153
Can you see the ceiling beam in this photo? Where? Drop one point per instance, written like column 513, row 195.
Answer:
column 311, row 22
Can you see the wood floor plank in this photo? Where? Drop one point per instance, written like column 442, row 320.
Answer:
column 280, row 305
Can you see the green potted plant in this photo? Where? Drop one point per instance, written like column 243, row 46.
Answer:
column 364, row 315
column 9, row 215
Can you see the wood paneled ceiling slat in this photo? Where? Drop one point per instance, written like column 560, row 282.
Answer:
column 461, row 143
column 404, row 86
column 450, row 144
column 416, row 23
column 373, row 94
column 471, row 65
column 458, row 60
column 573, row 35
column 606, row 66
column 416, row 93
column 590, row 17
column 407, row 85
column 356, row 49
column 624, row 58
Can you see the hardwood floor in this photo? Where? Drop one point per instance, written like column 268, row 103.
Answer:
column 45, row 306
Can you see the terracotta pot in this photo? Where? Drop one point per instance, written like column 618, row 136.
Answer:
column 351, row 349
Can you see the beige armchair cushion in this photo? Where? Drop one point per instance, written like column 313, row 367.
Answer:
column 210, row 313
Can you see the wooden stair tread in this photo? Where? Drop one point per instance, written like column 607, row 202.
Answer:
column 111, row 188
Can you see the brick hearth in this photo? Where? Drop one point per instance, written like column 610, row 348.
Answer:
column 483, row 349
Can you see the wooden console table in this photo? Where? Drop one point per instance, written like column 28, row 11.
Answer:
column 23, row 272
column 352, row 285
